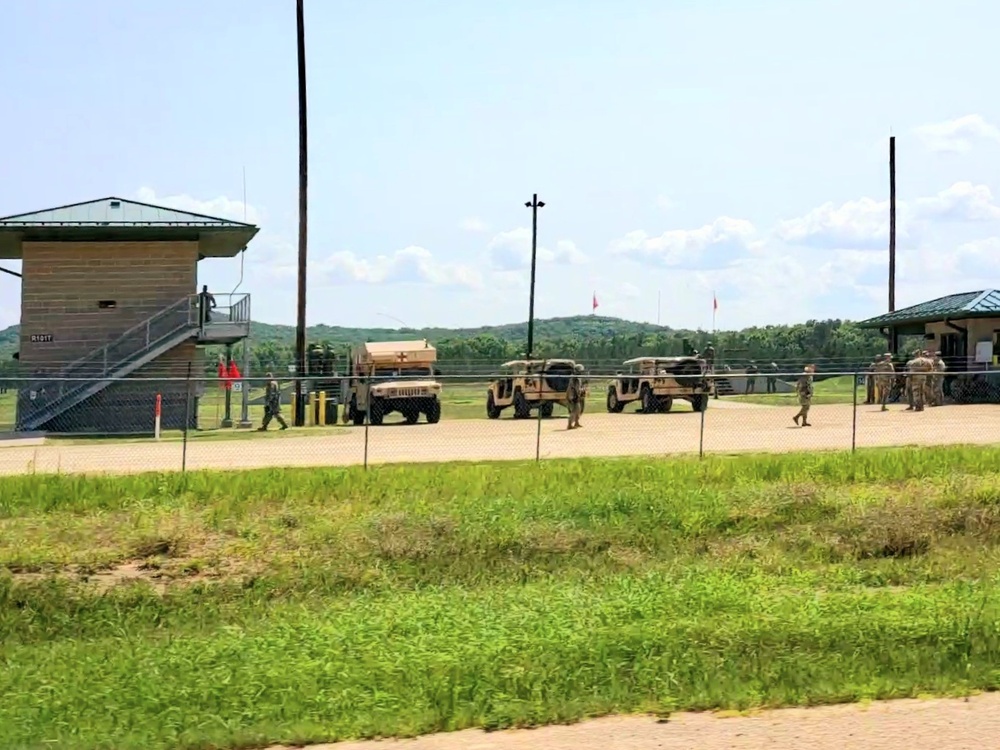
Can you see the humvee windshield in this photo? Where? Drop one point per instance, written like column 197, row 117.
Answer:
column 404, row 373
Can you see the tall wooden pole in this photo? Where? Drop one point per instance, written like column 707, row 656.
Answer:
column 300, row 327
column 534, row 204
column 892, row 223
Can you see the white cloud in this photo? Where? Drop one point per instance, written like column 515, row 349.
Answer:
column 474, row 224
column 411, row 265
column 688, row 247
column 978, row 258
column 220, row 207
column 958, row 135
column 511, row 251
column 862, row 224
column 665, row 203
column 963, row 201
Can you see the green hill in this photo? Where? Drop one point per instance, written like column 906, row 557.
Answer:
column 585, row 326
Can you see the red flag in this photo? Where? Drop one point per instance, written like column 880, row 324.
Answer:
column 228, row 374
column 594, row 302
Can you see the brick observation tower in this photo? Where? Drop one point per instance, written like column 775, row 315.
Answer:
column 109, row 303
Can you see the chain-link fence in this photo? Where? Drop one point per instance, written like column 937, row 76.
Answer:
column 135, row 424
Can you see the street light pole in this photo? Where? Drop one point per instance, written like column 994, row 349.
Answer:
column 299, row 418
column 534, row 204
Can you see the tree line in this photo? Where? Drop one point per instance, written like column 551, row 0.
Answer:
column 599, row 342
column 830, row 344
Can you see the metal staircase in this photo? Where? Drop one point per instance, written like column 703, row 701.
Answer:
column 137, row 347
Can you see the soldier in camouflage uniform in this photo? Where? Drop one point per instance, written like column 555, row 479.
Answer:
column 939, row 369
column 574, row 399
column 908, row 381
column 919, row 370
column 884, row 375
column 871, row 381
column 272, row 405
column 804, row 390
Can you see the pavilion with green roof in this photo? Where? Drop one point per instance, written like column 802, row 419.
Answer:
column 110, row 312
column 964, row 327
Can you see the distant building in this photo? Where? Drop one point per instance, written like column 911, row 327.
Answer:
column 109, row 300
column 964, row 327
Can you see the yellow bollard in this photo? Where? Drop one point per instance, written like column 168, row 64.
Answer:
column 322, row 409
column 311, row 420
column 294, row 399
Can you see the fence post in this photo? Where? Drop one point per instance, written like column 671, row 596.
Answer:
column 156, row 416
column 854, row 413
column 714, row 385
column 368, row 416
column 538, row 428
column 187, row 423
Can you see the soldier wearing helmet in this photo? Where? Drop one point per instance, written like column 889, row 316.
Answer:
column 938, row 380
column 804, row 390
column 884, row 373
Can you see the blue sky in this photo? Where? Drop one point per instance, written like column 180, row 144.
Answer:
column 680, row 147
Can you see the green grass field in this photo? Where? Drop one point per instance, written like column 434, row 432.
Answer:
column 8, row 409
column 309, row 605
column 839, row 390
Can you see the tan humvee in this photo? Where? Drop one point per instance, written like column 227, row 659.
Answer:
column 656, row 381
column 530, row 384
column 392, row 376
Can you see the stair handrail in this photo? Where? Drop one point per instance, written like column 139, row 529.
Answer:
column 138, row 326
column 58, row 383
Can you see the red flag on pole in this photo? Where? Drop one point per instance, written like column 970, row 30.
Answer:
column 594, row 307
column 223, row 372
column 715, row 303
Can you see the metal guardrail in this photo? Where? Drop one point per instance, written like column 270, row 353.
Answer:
column 227, row 308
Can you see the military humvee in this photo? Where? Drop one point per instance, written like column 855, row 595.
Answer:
column 530, row 384
column 656, row 381
column 392, row 376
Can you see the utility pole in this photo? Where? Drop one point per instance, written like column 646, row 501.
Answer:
column 299, row 418
column 534, row 204
column 892, row 223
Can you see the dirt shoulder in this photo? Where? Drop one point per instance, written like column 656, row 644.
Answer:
column 933, row 724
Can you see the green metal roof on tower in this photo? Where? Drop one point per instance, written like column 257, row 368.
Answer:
column 118, row 219
column 982, row 304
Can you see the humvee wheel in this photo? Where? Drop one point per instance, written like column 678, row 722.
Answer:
column 411, row 415
column 357, row 416
column 434, row 412
column 666, row 403
column 649, row 405
column 699, row 402
column 546, row 409
column 492, row 410
column 614, row 405
column 521, row 408
column 376, row 411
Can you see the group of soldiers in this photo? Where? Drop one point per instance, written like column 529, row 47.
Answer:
column 924, row 374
